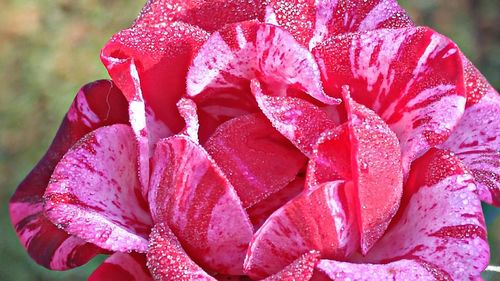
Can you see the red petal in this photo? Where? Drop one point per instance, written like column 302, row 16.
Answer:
column 476, row 141
column 300, row 270
column 94, row 192
column 376, row 170
column 242, row 52
column 257, row 160
column 442, row 226
column 476, row 85
column 315, row 220
column 411, row 77
column 298, row 120
column 200, row 206
column 168, row 261
column 398, row 270
column 96, row 104
column 123, row 267
column 207, row 14
column 311, row 21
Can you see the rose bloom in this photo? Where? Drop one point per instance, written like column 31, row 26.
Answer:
column 285, row 140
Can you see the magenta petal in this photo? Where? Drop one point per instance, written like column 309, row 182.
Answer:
column 442, row 225
column 123, row 267
column 96, row 104
column 476, row 84
column 257, row 160
column 398, row 271
column 200, row 206
column 168, row 261
column 476, row 141
column 94, row 192
column 300, row 270
column 410, row 77
column 314, row 220
column 249, row 50
column 298, row 120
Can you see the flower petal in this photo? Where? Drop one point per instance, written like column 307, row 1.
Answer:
column 210, row 15
column 442, row 225
column 94, row 192
column 314, row 220
column 411, row 77
column 298, row 120
column 200, row 206
column 476, row 84
column 300, row 270
column 244, row 51
column 476, row 141
column 376, row 171
column 96, row 104
column 257, row 160
column 123, row 267
column 311, row 21
column 398, row 271
column 187, row 109
column 168, row 261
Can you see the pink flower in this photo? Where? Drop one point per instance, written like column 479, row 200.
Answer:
column 287, row 140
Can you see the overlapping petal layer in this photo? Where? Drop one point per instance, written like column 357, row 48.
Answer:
column 199, row 204
column 123, row 267
column 95, row 186
column 96, row 104
column 411, row 77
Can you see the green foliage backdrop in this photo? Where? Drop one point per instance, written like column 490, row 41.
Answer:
column 49, row 48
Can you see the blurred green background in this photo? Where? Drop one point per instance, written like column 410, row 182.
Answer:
column 49, row 48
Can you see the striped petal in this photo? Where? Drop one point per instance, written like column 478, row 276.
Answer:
column 201, row 207
column 123, row 267
column 300, row 270
column 187, row 109
column 476, row 141
column 257, row 160
column 96, row 104
column 315, row 220
column 410, row 77
column 94, row 192
column 168, row 261
column 441, row 226
column 241, row 52
column 311, row 21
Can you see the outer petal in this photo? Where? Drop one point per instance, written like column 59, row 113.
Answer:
column 96, row 104
column 442, row 226
column 210, row 15
column 411, row 77
column 257, row 160
column 242, row 52
column 168, row 261
column 200, row 206
column 476, row 140
column 300, row 270
column 94, row 192
column 476, row 84
column 311, row 21
column 315, row 220
column 123, row 267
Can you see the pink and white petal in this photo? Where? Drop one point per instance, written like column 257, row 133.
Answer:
column 245, row 51
column 94, row 192
column 476, row 141
column 298, row 120
column 410, row 77
column 313, row 21
column 301, row 269
column 314, row 220
column 187, row 109
column 209, row 15
column 442, row 225
column 168, row 261
column 259, row 212
column 399, row 270
column 257, row 159
column 201, row 207
column 97, row 104
column 376, row 170
column 123, row 267
column 476, row 85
